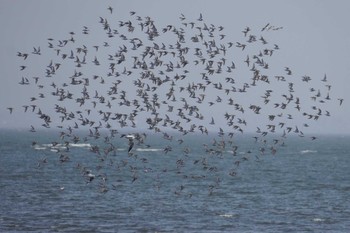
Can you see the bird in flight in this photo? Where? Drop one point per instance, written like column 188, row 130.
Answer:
column 131, row 138
column 168, row 80
column 110, row 9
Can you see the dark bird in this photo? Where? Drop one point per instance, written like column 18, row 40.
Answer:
column 340, row 101
column 131, row 138
column 36, row 51
column 200, row 17
column 32, row 129
column 110, row 9
column 169, row 82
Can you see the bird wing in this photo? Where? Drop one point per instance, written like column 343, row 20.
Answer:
column 131, row 144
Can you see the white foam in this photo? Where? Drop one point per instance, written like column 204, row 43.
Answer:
column 148, row 149
column 57, row 146
column 51, row 145
column 62, row 146
column 40, row 148
column 88, row 145
column 318, row 220
column 142, row 149
column 226, row 215
column 308, row 151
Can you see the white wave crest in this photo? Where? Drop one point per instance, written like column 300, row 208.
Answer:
column 88, row 145
column 318, row 220
column 148, row 149
column 226, row 215
column 56, row 146
column 40, row 147
column 308, row 151
column 142, row 149
column 61, row 146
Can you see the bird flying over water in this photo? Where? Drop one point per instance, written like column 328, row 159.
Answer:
column 131, row 138
column 171, row 81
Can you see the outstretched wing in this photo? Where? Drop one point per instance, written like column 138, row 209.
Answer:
column 131, row 144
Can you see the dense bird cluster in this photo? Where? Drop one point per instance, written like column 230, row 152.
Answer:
column 143, row 79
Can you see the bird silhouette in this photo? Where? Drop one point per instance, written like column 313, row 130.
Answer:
column 171, row 80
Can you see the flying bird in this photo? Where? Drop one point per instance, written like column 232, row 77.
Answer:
column 168, row 81
column 131, row 138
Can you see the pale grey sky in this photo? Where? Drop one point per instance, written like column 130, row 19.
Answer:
column 314, row 41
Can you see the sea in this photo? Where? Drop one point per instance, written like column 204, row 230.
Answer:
column 45, row 187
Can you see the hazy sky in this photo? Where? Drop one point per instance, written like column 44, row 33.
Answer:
column 314, row 41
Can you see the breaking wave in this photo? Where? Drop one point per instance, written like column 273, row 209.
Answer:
column 87, row 145
column 56, row 147
column 308, row 151
column 142, row 149
column 149, row 149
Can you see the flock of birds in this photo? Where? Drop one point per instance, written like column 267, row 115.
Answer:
column 172, row 81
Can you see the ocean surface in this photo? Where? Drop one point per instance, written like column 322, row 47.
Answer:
column 304, row 187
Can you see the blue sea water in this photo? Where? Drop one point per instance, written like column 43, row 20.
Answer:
column 303, row 188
